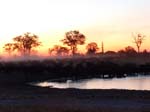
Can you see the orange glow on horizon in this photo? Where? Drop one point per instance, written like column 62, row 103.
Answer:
column 110, row 44
column 110, row 21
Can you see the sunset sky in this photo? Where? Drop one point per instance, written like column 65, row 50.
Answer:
column 110, row 21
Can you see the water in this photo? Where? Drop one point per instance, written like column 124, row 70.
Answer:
column 130, row 83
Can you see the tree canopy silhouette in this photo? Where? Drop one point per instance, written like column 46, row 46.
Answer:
column 72, row 39
column 9, row 47
column 92, row 48
column 128, row 51
column 26, row 42
column 59, row 50
column 138, row 40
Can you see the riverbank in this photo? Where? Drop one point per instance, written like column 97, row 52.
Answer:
column 23, row 98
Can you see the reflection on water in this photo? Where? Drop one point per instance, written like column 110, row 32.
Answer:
column 135, row 83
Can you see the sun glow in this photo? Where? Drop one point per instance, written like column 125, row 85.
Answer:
column 111, row 21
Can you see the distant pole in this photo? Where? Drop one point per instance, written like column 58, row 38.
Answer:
column 102, row 46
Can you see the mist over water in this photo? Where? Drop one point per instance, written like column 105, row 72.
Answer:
column 40, row 58
column 31, row 58
column 129, row 83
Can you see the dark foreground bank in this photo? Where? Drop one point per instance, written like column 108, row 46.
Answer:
column 25, row 98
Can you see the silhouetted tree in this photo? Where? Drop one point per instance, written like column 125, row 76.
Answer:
column 26, row 42
column 72, row 39
column 145, row 52
column 121, row 52
column 138, row 40
column 130, row 50
column 59, row 50
column 9, row 47
column 110, row 53
column 92, row 48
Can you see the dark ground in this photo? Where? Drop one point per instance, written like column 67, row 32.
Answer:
column 23, row 98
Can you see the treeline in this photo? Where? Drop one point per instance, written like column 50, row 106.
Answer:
column 73, row 68
column 96, row 63
column 27, row 43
